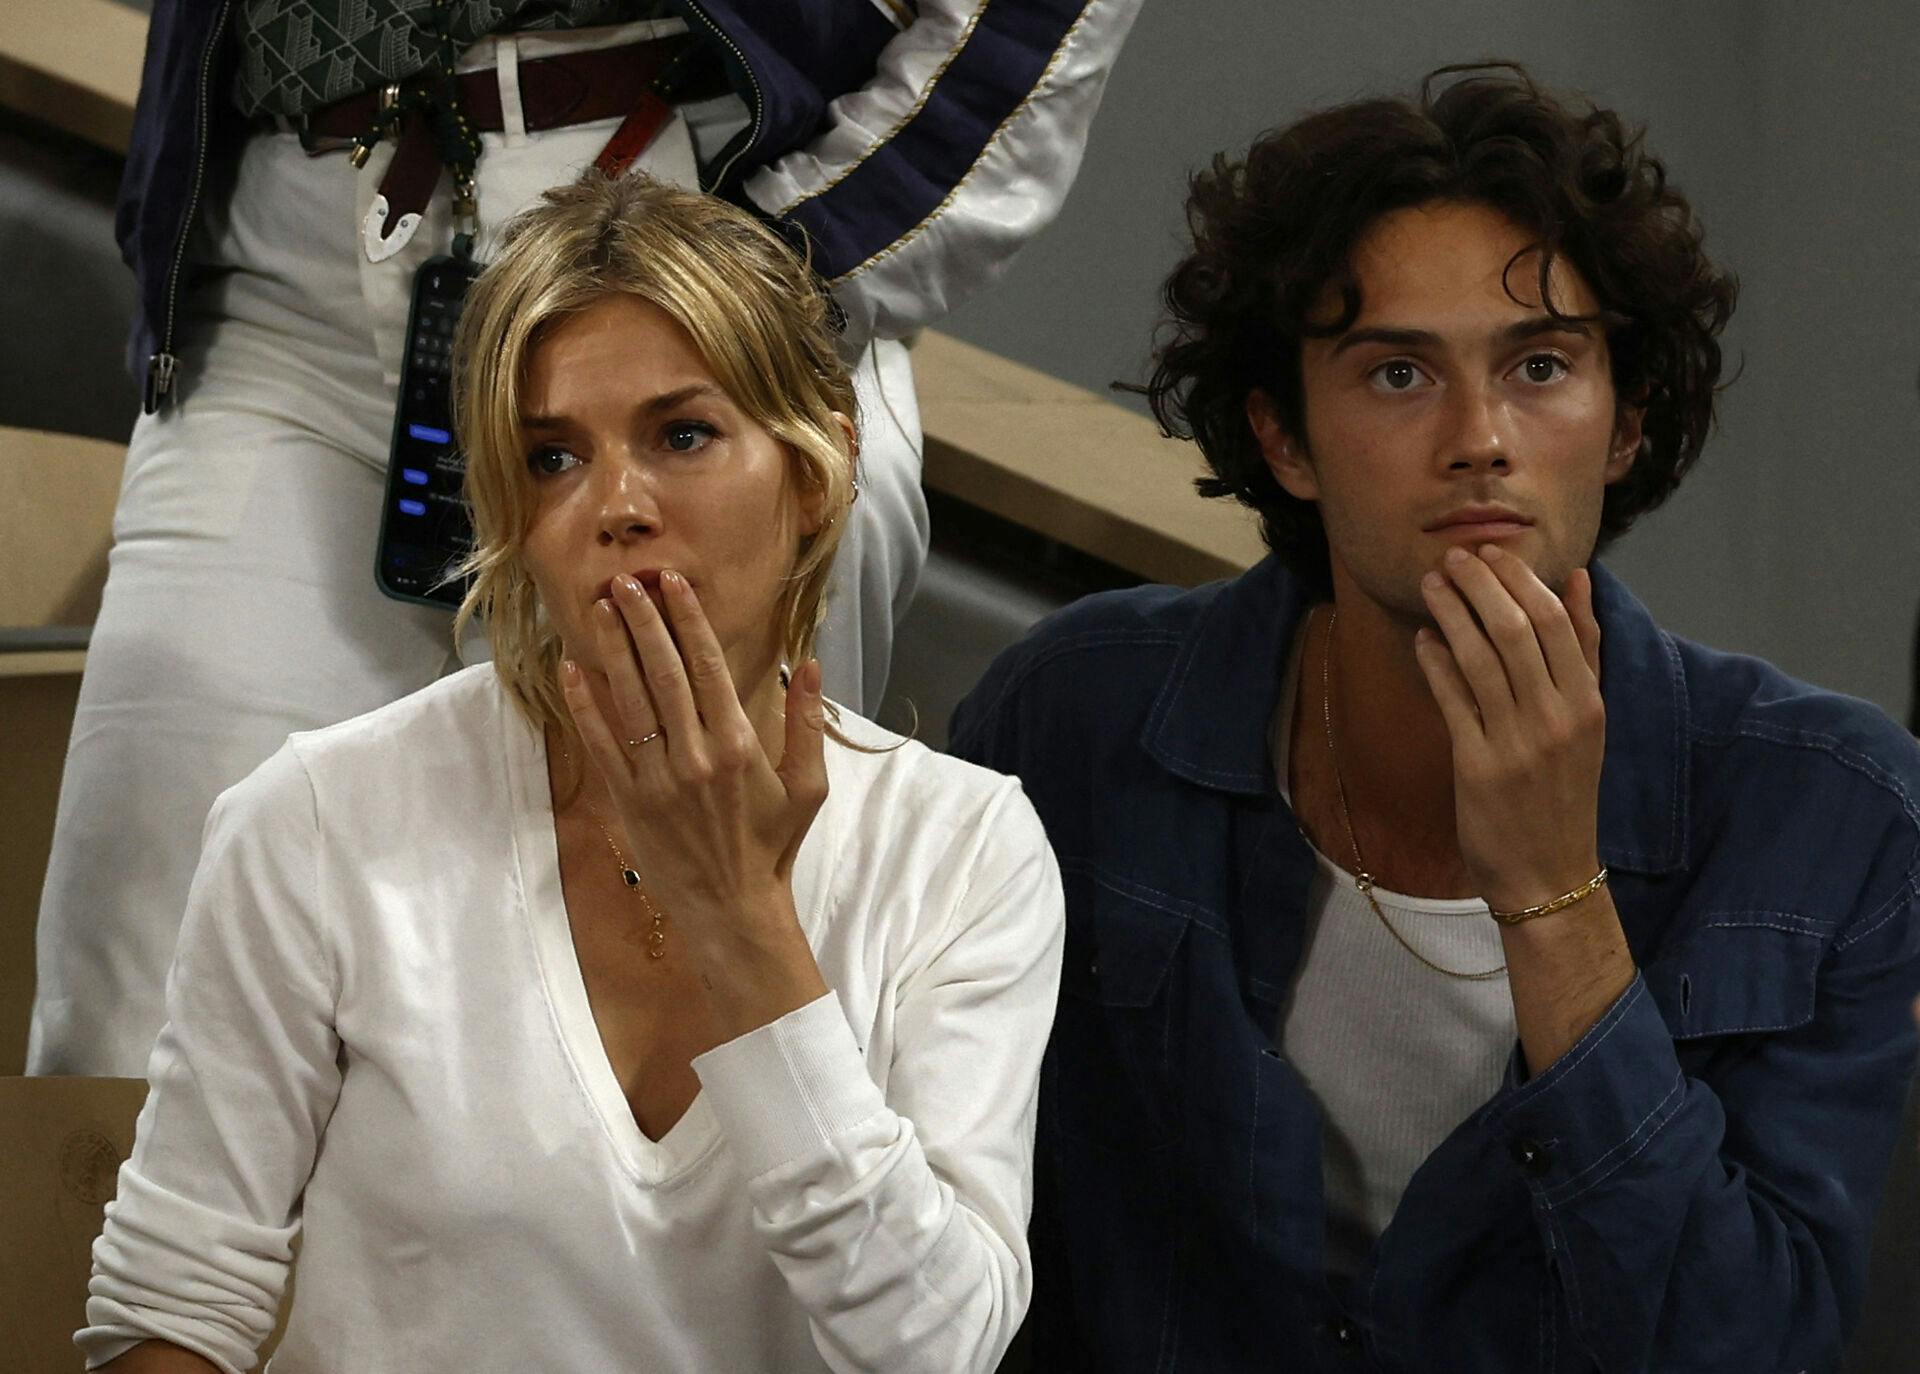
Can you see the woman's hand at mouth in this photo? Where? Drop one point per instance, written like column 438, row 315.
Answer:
column 712, row 822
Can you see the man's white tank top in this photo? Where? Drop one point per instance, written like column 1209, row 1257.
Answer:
column 1396, row 1054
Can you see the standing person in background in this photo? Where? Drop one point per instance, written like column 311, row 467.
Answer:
column 1462, row 972
column 912, row 148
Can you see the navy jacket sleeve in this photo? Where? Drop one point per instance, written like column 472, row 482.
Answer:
column 1705, row 1192
column 927, row 179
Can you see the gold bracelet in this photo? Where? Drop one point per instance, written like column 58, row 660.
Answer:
column 1560, row 903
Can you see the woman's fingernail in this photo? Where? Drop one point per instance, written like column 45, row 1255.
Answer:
column 572, row 672
column 672, row 580
column 1456, row 555
column 1491, row 552
column 1433, row 582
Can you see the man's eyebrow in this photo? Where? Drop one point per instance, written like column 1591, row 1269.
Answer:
column 1398, row 338
column 1530, row 328
column 666, row 400
column 1545, row 324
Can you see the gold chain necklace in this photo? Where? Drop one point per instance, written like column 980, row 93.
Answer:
column 656, row 933
column 1362, row 878
column 656, row 936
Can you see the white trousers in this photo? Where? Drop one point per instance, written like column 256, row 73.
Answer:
column 240, row 603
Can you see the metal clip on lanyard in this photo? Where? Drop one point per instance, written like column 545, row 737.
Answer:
column 434, row 132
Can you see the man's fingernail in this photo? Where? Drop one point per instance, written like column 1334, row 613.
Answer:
column 1456, row 555
column 1490, row 552
column 1433, row 581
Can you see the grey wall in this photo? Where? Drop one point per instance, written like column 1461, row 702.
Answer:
column 1796, row 130
column 65, row 296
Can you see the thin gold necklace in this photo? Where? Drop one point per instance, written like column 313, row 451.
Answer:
column 1363, row 879
column 656, row 936
column 656, row 933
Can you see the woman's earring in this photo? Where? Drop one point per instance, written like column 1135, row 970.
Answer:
column 827, row 524
column 786, row 676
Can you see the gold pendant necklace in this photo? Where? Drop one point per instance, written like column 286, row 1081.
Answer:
column 656, row 935
column 656, row 932
column 1363, row 879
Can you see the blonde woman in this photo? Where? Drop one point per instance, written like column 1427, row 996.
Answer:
column 611, row 1006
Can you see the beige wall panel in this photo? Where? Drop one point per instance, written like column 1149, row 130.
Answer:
column 36, row 715
column 74, row 64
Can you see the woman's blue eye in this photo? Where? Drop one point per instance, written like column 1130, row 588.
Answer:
column 1544, row 367
column 546, row 462
column 687, row 436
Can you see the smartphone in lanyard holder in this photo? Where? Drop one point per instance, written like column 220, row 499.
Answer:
column 425, row 528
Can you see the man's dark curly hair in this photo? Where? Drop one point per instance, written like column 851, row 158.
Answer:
column 1273, row 231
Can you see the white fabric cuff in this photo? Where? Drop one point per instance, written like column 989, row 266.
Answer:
column 790, row 1088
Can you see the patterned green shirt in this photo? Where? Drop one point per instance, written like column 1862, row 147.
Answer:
column 297, row 55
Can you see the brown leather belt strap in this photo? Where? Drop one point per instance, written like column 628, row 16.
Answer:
column 568, row 88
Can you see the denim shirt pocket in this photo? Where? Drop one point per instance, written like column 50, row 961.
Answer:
column 1739, row 973
column 1110, row 1037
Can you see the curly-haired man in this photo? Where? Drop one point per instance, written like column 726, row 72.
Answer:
column 1462, row 973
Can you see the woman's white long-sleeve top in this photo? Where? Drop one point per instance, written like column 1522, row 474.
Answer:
column 379, row 1037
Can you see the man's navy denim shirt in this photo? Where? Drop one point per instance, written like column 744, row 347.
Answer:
column 1691, row 1187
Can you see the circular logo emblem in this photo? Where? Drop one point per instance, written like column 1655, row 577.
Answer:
column 89, row 1166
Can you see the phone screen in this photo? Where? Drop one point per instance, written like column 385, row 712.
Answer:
column 425, row 528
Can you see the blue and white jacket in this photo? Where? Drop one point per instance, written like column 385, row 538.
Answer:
column 919, row 143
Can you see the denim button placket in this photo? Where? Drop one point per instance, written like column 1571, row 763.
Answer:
column 1532, row 1157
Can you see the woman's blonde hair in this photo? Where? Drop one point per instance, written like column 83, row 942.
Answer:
column 755, row 315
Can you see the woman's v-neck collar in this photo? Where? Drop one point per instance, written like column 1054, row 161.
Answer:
column 691, row 1139
column 655, row 1163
